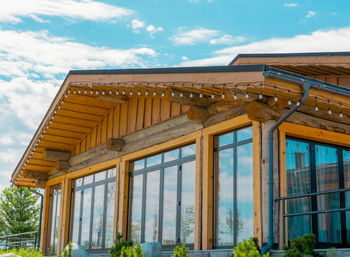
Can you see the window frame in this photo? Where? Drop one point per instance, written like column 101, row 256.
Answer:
column 55, row 191
column 160, row 167
column 313, row 199
column 232, row 146
column 106, row 181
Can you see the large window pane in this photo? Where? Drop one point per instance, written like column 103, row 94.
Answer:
column 169, row 205
column 97, row 222
column 187, row 202
column 224, row 212
column 136, row 209
column 54, row 217
column 245, row 204
column 85, row 219
column 76, row 215
column 110, row 214
column 346, row 167
column 298, row 183
column 152, row 207
column 329, row 229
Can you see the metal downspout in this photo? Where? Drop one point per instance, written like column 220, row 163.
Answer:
column 41, row 213
column 306, row 88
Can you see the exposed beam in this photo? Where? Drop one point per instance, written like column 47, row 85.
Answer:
column 198, row 114
column 225, row 115
column 62, row 165
column 56, row 155
column 35, row 174
column 119, row 99
column 261, row 112
column 115, row 144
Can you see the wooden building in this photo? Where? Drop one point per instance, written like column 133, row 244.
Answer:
column 181, row 155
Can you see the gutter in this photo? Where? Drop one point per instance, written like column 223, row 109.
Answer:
column 306, row 83
column 41, row 212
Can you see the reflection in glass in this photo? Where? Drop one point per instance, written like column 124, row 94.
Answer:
column 110, row 214
column 152, row 207
column 135, row 231
column 97, row 222
column 100, row 176
column 187, row 202
column 171, row 155
column 169, row 205
column 88, row 179
column 188, row 150
column 226, row 139
column 153, row 160
column 346, row 166
column 85, row 219
column 245, row 203
column 78, row 182
column 224, row 199
column 140, row 164
column 111, row 173
column 244, row 134
column 329, row 230
column 55, row 201
column 76, row 215
column 298, row 182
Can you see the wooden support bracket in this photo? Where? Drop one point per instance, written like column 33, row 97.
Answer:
column 115, row 144
column 56, row 155
column 35, row 174
column 198, row 114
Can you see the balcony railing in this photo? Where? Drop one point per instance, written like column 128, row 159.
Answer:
column 22, row 240
column 287, row 215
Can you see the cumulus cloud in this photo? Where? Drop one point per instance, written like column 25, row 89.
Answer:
column 152, row 29
column 318, row 41
column 310, row 14
column 191, row 37
column 136, row 25
column 14, row 10
column 288, row 5
column 227, row 40
column 39, row 53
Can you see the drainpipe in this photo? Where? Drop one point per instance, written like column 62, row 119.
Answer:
column 41, row 212
column 306, row 88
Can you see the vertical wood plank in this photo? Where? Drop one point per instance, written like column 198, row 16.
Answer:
column 66, row 212
column 207, row 212
column 165, row 110
column 123, row 120
column 93, row 137
column 156, row 111
column 198, row 194
column 116, row 198
column 77, row 149
column 45, row 219
column 104, row 130
column 110, row 125
column 98, row 134
column 148, row 113
column 140, row 113
column 83, row 145
column 257, row 181
column 175, row 109
column 132, row 115
column 88, row 139
column 184, row 108
column 116, row 121
column 123, row 202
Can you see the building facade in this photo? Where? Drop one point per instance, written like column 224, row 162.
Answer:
column 202, row 156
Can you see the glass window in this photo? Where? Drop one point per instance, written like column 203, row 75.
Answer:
column 54, row 217
column 162, row 198
column 312, row 168
column 92, row 210
column 233, row 191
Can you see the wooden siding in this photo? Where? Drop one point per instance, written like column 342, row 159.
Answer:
column 124, row 119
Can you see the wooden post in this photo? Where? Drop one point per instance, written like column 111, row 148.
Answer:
column 117, row 199
column 123, row 199
column 198, row 194
column 66, row 195
column 44, row 221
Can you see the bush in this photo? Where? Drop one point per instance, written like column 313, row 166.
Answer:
column 67, row 253
column 181, row 251
column 128, row 251
column 302, row 246
column 119, row 243
column 248, row 248
column 23, row 252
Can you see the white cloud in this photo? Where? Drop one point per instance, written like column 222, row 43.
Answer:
column 152, row 29
column 24, row 53
column 290, row 5
column 318, row 41
column 14, row 10
column 136, row 25
column 227, row 40
column 310, row 14
column 198, row 35
column 185, row 58
column 5, row 140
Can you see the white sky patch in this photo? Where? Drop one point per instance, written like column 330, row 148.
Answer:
column 14, row 10
column 24, row 53
column 191, row 37
column 152, row 29
column 318, row 41
column 5, row 140
column 289, row 5
column 227, row 40
column 185, row 58
column 36, row 18
column 310, row 14
column 136, row 25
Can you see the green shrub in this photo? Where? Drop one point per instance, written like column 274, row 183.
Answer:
column 128, row 251
column 67, row 253
column 248, row 248
column 301, row 247
column 119, row 243
column 181, row 251
column 23, row 252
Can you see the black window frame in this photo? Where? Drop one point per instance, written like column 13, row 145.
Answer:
column 233, row 146
column 313, row 189
column 81, row 189
column 159, row 167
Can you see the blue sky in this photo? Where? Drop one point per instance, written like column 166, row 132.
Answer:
column 41, row 40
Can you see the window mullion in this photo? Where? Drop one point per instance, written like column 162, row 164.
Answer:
column 178, row 207
column 143, row 217
column 92, row 215
column 341, row 195
column 235, row 212
column 161, row 204
column 104, row 215
column 313, row 188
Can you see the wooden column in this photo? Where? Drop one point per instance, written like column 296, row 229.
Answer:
column 117, row 199
column 65, row 214
column 198, row 194
column 44, row 220
column 123, row 198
